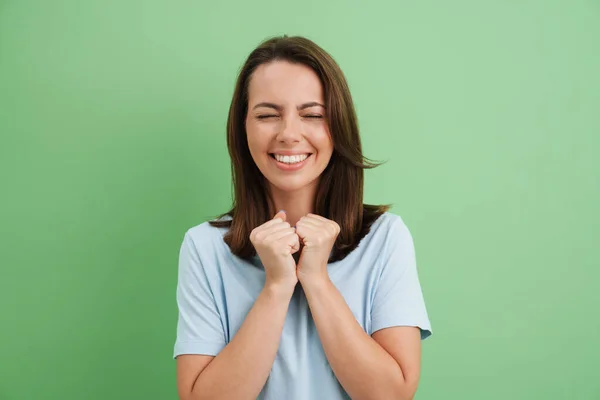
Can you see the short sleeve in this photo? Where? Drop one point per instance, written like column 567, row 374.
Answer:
column 199, row 327
column 398, row 298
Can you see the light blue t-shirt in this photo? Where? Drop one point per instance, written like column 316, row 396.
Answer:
column 217, row 289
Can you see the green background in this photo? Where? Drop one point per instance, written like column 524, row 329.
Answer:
column 112, row 121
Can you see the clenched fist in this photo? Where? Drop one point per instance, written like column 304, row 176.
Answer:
column 275, row 242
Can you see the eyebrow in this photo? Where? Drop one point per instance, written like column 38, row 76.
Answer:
column 279, row 108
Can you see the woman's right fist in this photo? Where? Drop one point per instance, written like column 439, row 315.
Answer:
column 275, row 241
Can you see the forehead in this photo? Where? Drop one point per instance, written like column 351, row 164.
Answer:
column 283, row 81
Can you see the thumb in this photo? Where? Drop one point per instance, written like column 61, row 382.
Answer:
column 281, row 214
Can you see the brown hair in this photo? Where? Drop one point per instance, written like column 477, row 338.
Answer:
column 339, row 195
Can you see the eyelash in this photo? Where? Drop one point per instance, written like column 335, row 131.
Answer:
column 308, row 116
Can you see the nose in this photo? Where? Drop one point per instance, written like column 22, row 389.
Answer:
column 289, row 130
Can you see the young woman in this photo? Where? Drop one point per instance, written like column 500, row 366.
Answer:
column 300, row 291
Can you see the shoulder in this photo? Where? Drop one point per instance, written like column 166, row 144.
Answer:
column 392, row 235
column 205, row 233
column 385, row 231
column 390, row 225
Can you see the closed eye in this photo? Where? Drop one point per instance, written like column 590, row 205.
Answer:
column 306, row 116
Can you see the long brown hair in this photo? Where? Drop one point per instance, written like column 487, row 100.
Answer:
column 339, row 195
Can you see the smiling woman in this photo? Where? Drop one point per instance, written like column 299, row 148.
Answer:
column 322, row 300
column 291, row 135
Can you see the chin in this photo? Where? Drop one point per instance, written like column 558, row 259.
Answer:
column 289, row 185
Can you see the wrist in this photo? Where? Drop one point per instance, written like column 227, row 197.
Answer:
column 280, row 289
column 319, row 279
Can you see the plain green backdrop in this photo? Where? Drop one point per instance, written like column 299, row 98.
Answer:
column 112, row 122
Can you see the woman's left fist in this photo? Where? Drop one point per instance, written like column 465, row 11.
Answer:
column 318, row 235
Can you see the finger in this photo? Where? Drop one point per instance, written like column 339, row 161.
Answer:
column 274, row 236
column 269, row 224
column 323, row 223
column 305, row 229
column 277, row 219
column 317, row 217
column 315, row 224
column 294, row 244
column 281, row 214
column 267, row 229
column 295, row 249
column 264, row 233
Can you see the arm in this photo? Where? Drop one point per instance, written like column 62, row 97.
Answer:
column 386, row 365
column 241, row 369
column 363, row 366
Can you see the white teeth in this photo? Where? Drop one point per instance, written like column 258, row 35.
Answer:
column 291, row 159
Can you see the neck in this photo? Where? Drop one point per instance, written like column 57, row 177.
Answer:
column 296, row 203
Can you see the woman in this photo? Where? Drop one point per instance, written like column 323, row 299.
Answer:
column 320, row 300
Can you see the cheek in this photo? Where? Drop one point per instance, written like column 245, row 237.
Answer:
column 253, row 137
column 323, row 143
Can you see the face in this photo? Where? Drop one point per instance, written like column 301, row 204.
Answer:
column 286, row 126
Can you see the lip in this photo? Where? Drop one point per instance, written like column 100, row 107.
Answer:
column 290, row 167
column 290, row 153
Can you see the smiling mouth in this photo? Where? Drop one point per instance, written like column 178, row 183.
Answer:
column 291, row 160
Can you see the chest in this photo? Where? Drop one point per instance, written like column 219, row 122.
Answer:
column 237, row 290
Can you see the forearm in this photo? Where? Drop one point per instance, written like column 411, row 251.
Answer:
column 241, row 369
column 363, row 367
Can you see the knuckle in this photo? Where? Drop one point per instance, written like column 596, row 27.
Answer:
column 334, row 227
